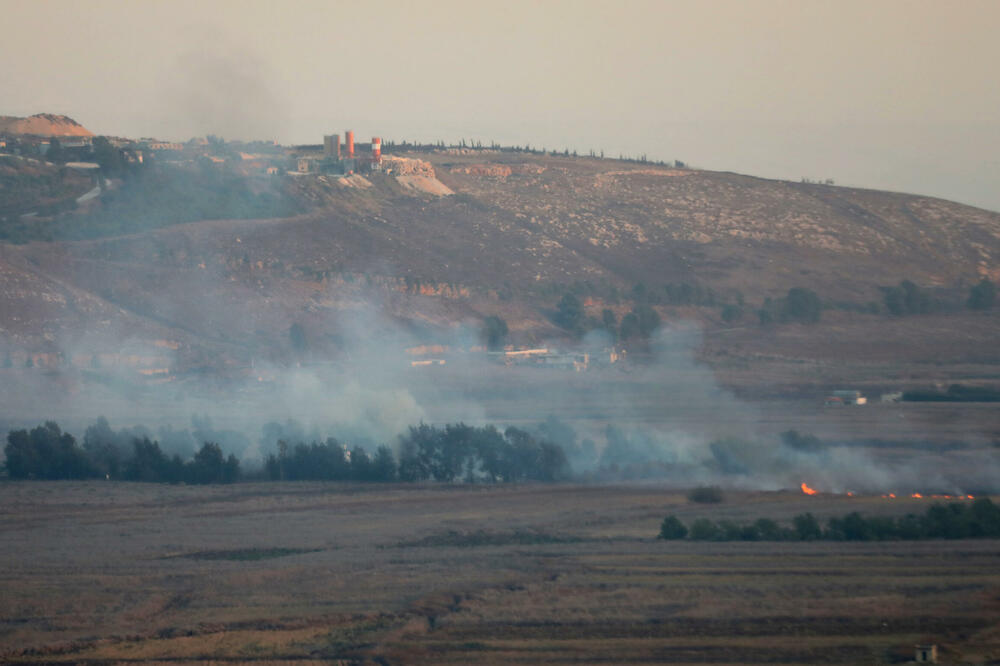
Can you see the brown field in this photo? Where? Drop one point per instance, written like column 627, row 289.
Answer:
column 109, row 573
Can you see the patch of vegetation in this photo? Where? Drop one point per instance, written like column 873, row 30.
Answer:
column 907, row 299
column 244, row 554
column 494, row 332
column 982, row 295
column 799, row 305
column 955, row 393
column 457, row 452
column 957, row 520
column 46, row 452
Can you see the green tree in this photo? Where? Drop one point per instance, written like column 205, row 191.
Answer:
column 906, row 299
column 148, row 463
column 45, row 452
column 704, row 529
column 982, row 295
column 207, row 464
column 647, row 318
column 383, row 465
column 806, row 527
column 56, row 153
column 768, row 529
column 104, row 447
column 802, row 305
column 569, row 313
column 672, row 528
column 731, row 313
column 629, row 329
column 107, row 156
column 297, row 336
column 610, row 322
column 494, row 332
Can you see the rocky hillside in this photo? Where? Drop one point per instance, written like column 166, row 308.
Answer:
column 508, row 234
column 43, row 124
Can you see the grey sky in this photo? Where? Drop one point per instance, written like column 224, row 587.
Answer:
column 891, row 95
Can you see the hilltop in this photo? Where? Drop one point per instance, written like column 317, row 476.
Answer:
column 43, row 124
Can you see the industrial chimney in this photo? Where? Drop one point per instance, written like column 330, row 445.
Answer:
column 376, row 150
column 349, row 140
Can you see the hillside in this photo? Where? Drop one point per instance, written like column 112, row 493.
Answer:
column 43, row 124
column 376, row 259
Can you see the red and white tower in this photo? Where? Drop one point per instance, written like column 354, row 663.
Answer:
column 376, row 151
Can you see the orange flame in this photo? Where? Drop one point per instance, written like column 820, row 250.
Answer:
column 850, row 494
column 807, row 490
column 917, row 496
column 970, row 497
column 892, row 495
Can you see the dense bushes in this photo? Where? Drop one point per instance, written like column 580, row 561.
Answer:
column 799, row 305
column 46, row 452
column 329, row 461
column 465, row 452
column 982, row 295
column 958, row 520
column 906, row 299
column 955, row 393
column 457, row 452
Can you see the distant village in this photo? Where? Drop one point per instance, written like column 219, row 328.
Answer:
column 333, row 156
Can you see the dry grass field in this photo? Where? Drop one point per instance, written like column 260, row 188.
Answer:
column 117, row 573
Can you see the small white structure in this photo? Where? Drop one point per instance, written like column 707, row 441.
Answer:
column 926, row 654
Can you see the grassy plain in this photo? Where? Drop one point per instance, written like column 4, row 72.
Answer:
column 109, row 573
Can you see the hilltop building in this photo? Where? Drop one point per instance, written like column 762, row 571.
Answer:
column 336, row 158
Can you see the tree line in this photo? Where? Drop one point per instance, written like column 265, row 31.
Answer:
column 957, row 520
column 46, row 452
column 798, row 305
column 456, row 452
column 453, row 453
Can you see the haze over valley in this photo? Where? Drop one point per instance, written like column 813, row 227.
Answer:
column 545, row 332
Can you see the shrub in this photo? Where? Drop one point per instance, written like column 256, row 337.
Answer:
column 672, row 528
column 802, row 305
column 982, row 295
column 806, row 527
column 731, row 313
column 704, row 529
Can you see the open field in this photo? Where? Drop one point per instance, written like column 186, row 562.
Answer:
column 317, row 573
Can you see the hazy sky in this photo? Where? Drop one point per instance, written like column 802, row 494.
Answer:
column 886, row 94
